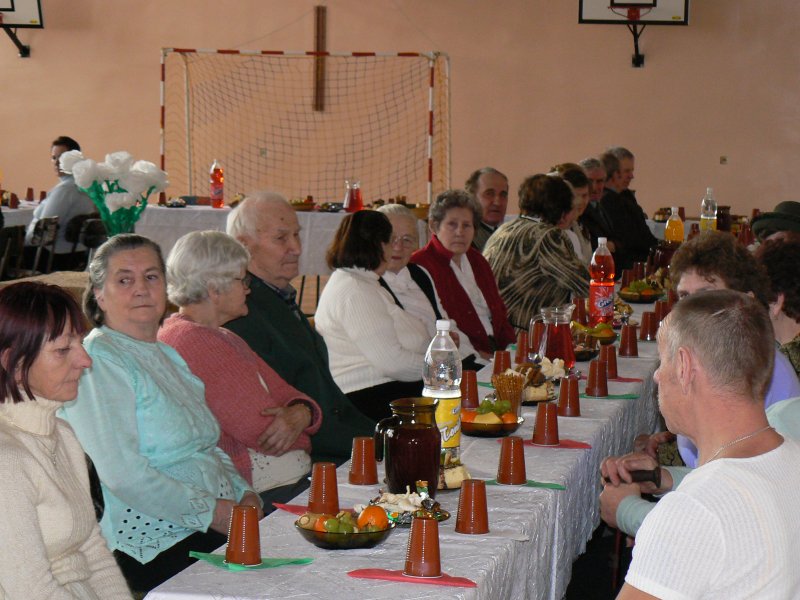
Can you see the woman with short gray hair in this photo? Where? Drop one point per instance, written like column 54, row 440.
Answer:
column 266, row 423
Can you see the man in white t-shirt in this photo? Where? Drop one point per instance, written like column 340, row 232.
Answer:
column 730, row 529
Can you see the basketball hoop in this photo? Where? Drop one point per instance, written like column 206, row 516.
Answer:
column 634, row 14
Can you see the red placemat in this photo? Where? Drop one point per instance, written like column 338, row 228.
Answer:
column 620, row 379
column 295, row 509
column 389, row 575
column 562, row 443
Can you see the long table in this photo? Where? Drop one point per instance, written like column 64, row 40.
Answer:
column 18, row 216
column 166, row 225
column 555, row 524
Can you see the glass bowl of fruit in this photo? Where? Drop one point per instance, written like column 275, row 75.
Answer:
column 345, row 531
column 492, row 418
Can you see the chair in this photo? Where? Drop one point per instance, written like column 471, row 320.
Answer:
column 12, row 240
column 74, row 231
column 93, row 235
column 44, row 234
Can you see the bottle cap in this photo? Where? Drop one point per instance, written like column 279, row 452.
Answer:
column 443, row 325
column 674, row 210
column 709, row 190
column 602, row 240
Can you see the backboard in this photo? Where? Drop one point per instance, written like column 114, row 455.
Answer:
column 21, row 13
column 652, row 12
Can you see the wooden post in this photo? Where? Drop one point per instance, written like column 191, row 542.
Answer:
column 320, row 39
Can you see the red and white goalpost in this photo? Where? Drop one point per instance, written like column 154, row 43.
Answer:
column 303, row 122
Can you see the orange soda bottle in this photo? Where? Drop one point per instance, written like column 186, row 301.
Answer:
column 601, row 285
column 216, row 181
column 674, row 230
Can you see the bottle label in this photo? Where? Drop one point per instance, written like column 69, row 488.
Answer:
column 601, row 300
column 216, row 191
column 448, row 418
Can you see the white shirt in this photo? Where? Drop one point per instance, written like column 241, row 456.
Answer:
column 466, row 278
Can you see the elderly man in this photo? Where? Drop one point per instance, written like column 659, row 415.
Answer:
column 632, row 237
column 594, row 218
column 276, row 329
column 730, row 529
column 490, row 187
column 63, row 201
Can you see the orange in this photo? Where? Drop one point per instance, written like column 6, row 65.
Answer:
column 373, row 515
column 468, row 416
column 319, row 524
column 508, row 418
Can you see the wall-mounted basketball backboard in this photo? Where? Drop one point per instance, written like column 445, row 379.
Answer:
column 20, row 13
column 645, row 12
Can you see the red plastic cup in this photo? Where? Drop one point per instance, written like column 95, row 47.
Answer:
column 628, row 345
column 42, row 195
column 473, row 515
column 649, row 327
column 521, row 355
column 682, row 213
column 244, row 544
column 639, row 270
column 627, row 278
column 162, row 198
column 13, row 201
column 608, row 354
column 672, row 298
column 579, row 314
column 535, row 337
column 363, row 467
column 662, row 309
column 569, row 402
column 469, row 390
column 545, row 431
column 511, row 468
column 323, row 495
column 29, row 194
column 422, row 552
column 597, row 384
column 502, row 361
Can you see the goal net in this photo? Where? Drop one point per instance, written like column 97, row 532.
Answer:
column 301, row 123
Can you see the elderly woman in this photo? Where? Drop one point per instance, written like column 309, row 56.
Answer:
column 533, row 260
column 265, row 422
column 412, row 285
column 463, row 278
column 142, row 418
column 52, row 546
column 376, row 348
column 578, row 234
column 780, row 258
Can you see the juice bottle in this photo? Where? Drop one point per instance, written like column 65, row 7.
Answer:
column 353, row 201
column 708, row 211
column 216, row 176
column 601, row 285
column 674, row 230
column 441, row 375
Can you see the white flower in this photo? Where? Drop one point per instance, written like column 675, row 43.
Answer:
column 155, row 176
column 68, row 159
column 119, row 162
column 85, row 172
column 115, row 201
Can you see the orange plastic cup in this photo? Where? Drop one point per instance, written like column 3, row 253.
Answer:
column 522, row 348
column 244, row 544
column 363, row 467
column 545, row 431
column 422, row 552
column 608, row 353
column 569, row 402
column 323, row 495
column 597, row 383
column 502, row 361
column 473, row 515
column 511, row 468
column 469, row 390
column 628, row 346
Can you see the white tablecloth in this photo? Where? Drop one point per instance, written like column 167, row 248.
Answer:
column 18, row 216
column 166, row 225
column 557, row 523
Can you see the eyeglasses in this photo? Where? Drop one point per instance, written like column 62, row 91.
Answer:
column 244, row 280
column 404, row 240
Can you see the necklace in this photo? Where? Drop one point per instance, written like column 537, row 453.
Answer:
column 737, row 441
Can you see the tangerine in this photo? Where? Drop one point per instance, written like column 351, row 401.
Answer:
column 373, row 515
column 508, row 418
column 319, row 524
column 468, row 416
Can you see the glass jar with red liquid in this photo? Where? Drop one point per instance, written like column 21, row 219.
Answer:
column 353, row 202
column 601, row 285
column 556, row 341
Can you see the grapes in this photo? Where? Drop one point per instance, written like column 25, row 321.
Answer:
column 498, row 407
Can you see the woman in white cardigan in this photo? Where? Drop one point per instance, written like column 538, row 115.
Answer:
column 376, row 348
column 52, row 546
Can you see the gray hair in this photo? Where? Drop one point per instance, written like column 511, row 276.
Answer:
column 591, row 163
column 453, row 199
column 398, row 210
column 471, row 185
column 730, row 333
column 98, row 269
column 620, row 152
column 243, row 220
column 201, row 260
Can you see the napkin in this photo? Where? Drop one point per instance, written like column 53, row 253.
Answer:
column 218, row 560
column 295, row 509
column 389, row 575
column 532, row 483
column 612, row 397
column 620, row 379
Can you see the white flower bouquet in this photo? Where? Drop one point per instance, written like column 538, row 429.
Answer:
column 119, row 187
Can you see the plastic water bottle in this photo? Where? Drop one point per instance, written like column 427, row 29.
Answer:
column 708, row 211
column 216, row 177
column 442, row 377
column 601, row 285
column 674, row 230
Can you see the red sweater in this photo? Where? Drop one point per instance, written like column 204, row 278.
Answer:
column 436, row 259
column 230, row 371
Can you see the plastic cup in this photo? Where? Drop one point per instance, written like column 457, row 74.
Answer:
column 661, row 309
column 162, row 198
column 469, row 390
column 639, row 270
column 628, row 345
column 608, row 353
column 42, row 195
column 473, row 516
column 569, row 402
column 502, row 361
column 522, row 347
column 511, row 468
column 363, row 467
column 672, row 298
column 579, row 314
column 545, row 432
column 649, row 327
column 682, row 213
column 244, row 544
column 13, row 201
column 323, row 495
column 597, row 384
column 535, row 337
column 627, row 278
column 422, row 552
column 29, row 194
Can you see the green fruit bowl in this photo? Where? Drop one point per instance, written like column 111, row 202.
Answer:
column 344, row 541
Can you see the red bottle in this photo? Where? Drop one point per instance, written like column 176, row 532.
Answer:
column 601, row 286
column 216, row 181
